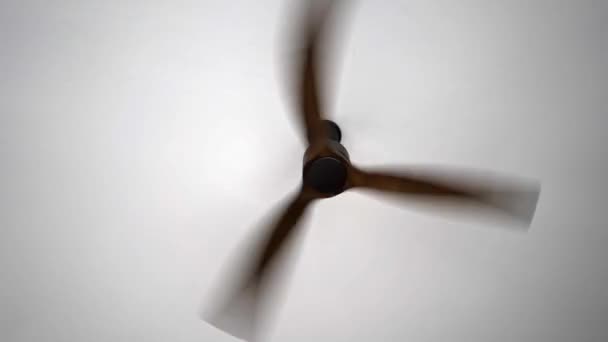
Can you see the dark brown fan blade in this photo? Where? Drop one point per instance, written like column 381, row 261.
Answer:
column 238, row 314
column 510, row 198
column 307, row 73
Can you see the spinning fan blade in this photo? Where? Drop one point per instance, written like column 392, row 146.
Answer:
column 239, row 314
column 307, row 71
column 479, row 192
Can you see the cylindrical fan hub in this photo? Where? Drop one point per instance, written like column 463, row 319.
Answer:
column 326, row 175
column 326, row 166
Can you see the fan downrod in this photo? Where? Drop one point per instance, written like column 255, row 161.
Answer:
column 333, row 130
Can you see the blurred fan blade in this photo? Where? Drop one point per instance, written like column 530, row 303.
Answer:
column 456, row 191
column 307, row 71
column 239, row 314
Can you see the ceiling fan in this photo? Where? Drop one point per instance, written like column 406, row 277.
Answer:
column 328, row 172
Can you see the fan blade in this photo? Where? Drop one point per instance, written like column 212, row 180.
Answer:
column 307, row 71
column 478, row 191
column 238, row 315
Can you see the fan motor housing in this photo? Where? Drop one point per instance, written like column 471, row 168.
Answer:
column 326, row 164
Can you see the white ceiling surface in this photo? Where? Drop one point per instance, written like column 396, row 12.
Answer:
column 140, row 141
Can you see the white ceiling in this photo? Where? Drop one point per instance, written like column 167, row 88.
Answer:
column 140, row 141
